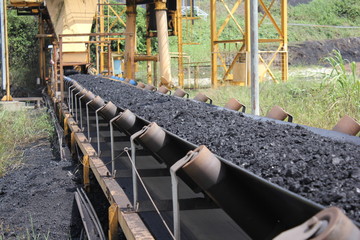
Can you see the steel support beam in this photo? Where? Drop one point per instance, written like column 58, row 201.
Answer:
column 149, row 63
column 284, row 27
column 254, row 55
column 214, row 45
column 180, row 43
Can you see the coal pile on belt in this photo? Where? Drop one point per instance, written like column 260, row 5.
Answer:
column 318, row 168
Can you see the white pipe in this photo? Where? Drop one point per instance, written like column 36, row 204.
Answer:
column 254, row 55
column 3, row 58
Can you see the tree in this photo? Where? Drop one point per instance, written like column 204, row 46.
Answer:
column 23, row 49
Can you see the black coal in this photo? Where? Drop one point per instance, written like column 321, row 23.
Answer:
column 322, row 169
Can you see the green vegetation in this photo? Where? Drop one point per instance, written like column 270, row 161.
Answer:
column 23, row 49
column 324, row 12
column 18, row 130
column 31, row 233
column 314, row 102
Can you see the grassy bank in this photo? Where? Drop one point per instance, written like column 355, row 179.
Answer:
column 18, row 130
column 319, row 101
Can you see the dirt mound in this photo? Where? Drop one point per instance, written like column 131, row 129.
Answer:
column 312, row 52
column 297, row 2
column 38, row 197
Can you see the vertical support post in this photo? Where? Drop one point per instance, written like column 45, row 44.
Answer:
column 86, row 172
column 42, row 63
column 163, row 39
column 5, row 52
column 76, row 107
column 129, row 54
column 155, row 65
column 214, row 46
column 149, row 63
column 66, row 127
column 254, row 55
column 113, row 170
column 55, row 76
column 247, row 43
column 72, row 104
column 284, row 28
column 72, row 144
column 98, row 130
column 61, row 71
column 88, row 120
column 113, row 222
column 97, row 27
column 180, row 44
column 175, row 194
column 80, row 109
column 3, row 46
column 102, row 38
column 109, row 60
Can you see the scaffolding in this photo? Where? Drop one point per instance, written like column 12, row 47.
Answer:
column 230, row 55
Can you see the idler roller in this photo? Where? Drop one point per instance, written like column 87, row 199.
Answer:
column 150, row 87
column 180, row 93
column 329, row 224
column 347, row 125
column 235, row 105
column 97, row 103
column 140, row 85
column 252, row 202
column 83, row 91
column 88, row 96
column 154, row 138
column 202, row 98
column 163, row 90
column 204, row 168
column 279, row 114
column 165, row 149
column 126, row 120
column 77, row 87
column 109, row 111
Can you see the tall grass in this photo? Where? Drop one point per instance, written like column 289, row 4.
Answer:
column 313, row 102
column 17, row 130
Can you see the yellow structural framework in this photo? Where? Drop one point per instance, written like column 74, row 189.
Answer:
column 230, row 57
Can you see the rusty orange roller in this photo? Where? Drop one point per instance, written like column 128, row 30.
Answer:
column 347, row 125
column 202, row 98
column 279, row 114
column 235, row 105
